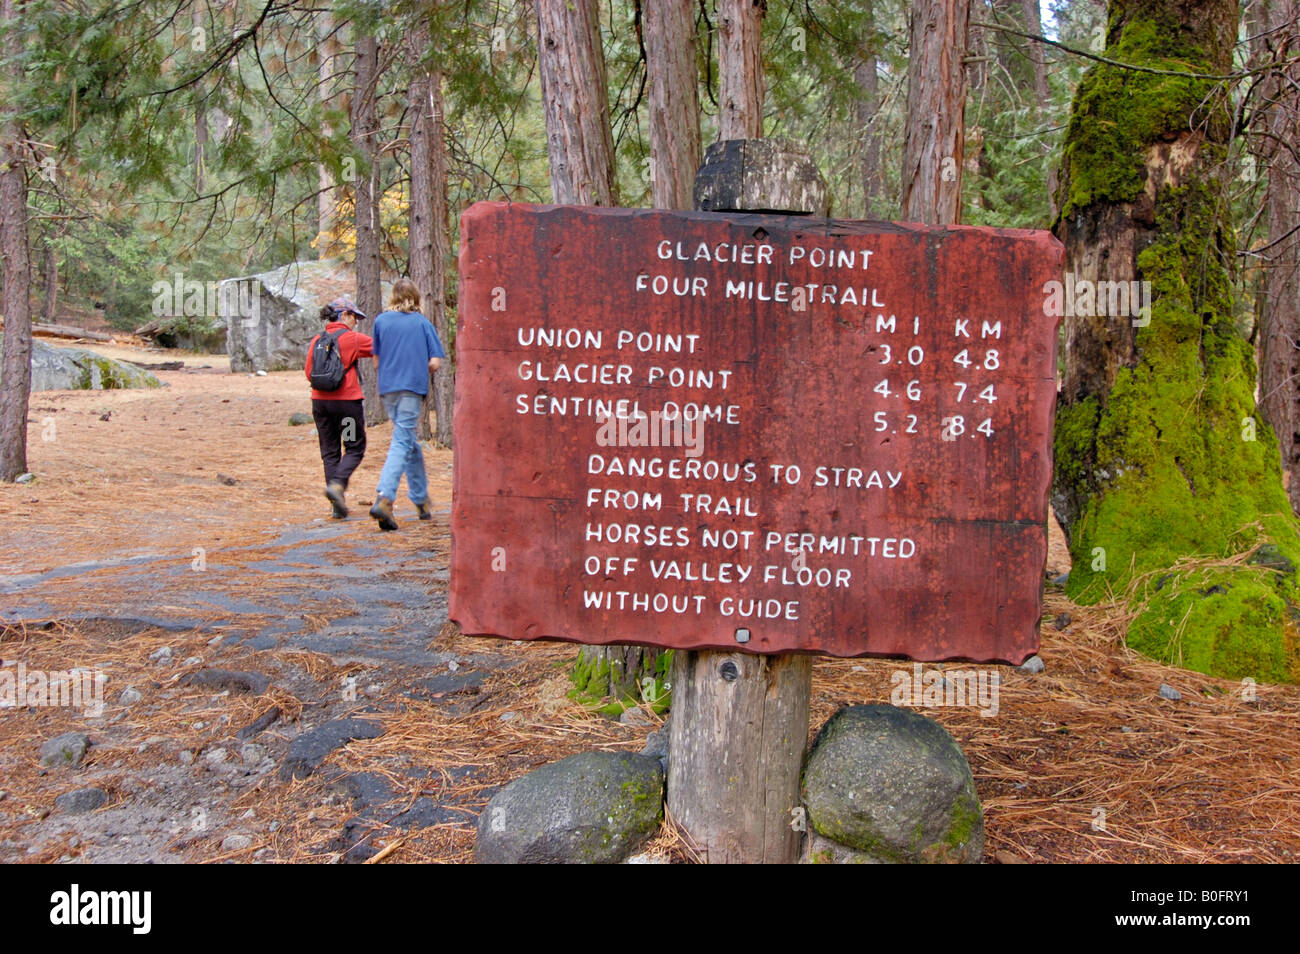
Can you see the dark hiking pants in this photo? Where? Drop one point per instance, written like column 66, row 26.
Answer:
column 341, row 426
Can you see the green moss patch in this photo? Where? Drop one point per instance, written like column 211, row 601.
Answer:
column 100, row 373
column 1118, row 112
column 592, row 678
column 1229, row 621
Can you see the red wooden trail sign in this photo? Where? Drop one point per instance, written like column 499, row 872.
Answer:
column 766, row 433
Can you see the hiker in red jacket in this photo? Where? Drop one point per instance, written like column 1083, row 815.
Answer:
column 340, row 414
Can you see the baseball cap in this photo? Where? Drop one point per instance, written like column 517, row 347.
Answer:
column 340, row 305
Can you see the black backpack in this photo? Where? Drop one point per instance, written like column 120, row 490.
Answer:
column 327, row 368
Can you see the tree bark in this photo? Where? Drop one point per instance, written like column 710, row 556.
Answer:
column 579, row 143
column 741, row 86
column 1276, row 141
column 936, row 98
column 867, row 109
column 1033, row 19
column 428, row 228
column 444, row 390
column 200, row 144
column 669, row 30
column 420, row 232
column 580, row 147
column 15, row 299
column 1042, row 93
column 327, row 198
column 49, row 314
column 978, row 57
column 365, row 137
column 1015, row 53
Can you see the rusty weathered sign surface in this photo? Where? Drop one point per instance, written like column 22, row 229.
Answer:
column 765, row 433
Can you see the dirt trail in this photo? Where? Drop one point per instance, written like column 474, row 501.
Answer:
column 199, row 506
column 134, row 540
column 192, row 518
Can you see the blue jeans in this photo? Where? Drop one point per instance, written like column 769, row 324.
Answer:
column 404, row 455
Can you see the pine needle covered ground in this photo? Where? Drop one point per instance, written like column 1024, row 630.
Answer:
column 191, row 519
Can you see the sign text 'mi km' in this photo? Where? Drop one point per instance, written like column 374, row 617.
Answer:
column 767, row 433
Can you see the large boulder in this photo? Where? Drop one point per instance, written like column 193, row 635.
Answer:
column 270, row 318
column 78, row 369
column 894, row 786
column 595, row 808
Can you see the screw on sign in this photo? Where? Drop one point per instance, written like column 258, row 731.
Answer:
column 753, row 433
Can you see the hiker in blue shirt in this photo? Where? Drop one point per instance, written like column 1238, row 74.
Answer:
column 407, row 351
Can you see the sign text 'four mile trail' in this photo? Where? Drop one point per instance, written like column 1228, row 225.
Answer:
column 751, row 432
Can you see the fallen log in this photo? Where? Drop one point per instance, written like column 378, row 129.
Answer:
column 68, row 331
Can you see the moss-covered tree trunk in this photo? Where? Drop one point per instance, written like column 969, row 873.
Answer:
column 1160, row 453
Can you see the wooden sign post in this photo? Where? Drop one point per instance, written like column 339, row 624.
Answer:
column 756, row 435
column 739, row 722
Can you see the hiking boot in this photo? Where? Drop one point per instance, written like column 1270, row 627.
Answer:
column 383, row 512
column 334, row 494
column 423, row 510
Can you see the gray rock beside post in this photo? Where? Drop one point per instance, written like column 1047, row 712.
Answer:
column 594, row 808
column 892, row 786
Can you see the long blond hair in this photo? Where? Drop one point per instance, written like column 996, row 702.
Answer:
column 405, row 296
